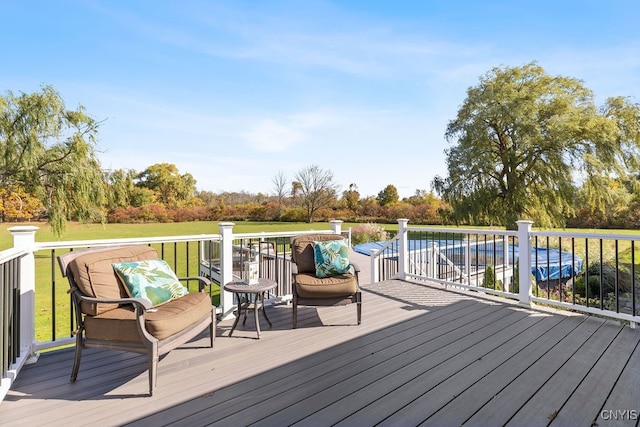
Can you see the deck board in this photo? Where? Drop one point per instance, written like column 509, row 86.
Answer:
column 339, row 382
column 559, row 388
column 511, row 374
column 613, row 375
column 422, row 354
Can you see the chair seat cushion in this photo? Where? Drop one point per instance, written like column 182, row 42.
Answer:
column 311, row 286
column 168, row 319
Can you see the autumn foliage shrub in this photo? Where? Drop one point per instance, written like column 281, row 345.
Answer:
column 158, row 213
column 368, row 232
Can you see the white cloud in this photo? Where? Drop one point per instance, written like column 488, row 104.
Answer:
column 283, row 134
column 270, row 135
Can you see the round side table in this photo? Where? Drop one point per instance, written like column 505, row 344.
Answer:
column 243, row 291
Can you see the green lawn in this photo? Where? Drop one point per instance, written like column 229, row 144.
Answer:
column 76, row 231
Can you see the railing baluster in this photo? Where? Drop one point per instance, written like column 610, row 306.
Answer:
column 586, row 272
column 53, row 300
column 573, row 271
column 634, row 312
column 601, row 275
column 616, row 285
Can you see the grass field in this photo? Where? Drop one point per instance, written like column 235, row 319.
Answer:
column 76, row 231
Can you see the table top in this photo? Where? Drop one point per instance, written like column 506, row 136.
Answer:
column 244, row 287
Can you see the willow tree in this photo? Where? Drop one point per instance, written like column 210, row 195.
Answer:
column 49, row 152
column 522, row 143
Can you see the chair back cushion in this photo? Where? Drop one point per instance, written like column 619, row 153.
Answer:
column 93, row 273
column 302, row 250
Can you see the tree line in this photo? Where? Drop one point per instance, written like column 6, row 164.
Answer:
column 524, row 145
column 161, row 193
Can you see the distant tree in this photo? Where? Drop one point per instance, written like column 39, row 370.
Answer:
column 48, row 151
column 141, row 196
column 120, row 188
column 19, row 205
column 279, row 189
column 296, row 190
column 209, row 198
column 420, row 197
column 352, row 197
column 171, row 188
column 388, row 196
column 317, row 189
column 616, row 207
column 522, row 141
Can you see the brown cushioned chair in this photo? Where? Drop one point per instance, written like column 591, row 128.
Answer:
column 308, row 289
column 108, row 318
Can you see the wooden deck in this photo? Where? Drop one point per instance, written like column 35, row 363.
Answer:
column 422, row 355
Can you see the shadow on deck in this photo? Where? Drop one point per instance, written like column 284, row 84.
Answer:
column 421, row 355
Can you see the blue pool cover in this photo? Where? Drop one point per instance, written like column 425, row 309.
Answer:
column 546, row 264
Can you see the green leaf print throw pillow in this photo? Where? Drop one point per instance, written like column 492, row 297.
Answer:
column 152, row 280
column 331, row 257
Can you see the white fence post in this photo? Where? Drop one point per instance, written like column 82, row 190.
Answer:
column 524, row 261
column 24, row 237
column 375, row 271
column 226, row 268
column 403, row 249
column 336, row 226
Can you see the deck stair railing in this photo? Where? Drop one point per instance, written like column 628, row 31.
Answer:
column 442, row 255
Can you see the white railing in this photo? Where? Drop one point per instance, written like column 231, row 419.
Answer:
column 31, row 262
column 592, row 273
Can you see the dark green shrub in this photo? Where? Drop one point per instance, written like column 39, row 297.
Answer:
column 489, row 280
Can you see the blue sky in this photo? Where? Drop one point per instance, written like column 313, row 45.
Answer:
column 235, row 92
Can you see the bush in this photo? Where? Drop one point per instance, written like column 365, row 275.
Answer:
column 368, row 232
column 489, row 280
column 609, row 274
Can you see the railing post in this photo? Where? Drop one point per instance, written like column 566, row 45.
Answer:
column 375, row 271
column 226, row 268
column 24, row 237
column 403, row 249
column 336, row 226
column 524, row 261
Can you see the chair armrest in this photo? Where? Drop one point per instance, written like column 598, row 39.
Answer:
column 141, row 303
column 356, row 267
column 202, row 281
